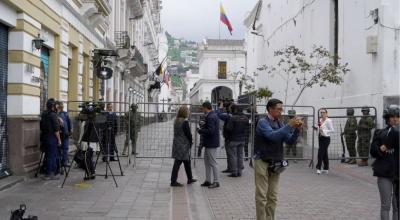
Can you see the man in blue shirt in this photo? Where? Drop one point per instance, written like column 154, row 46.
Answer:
column 210, row 133
column 270, row 135
column 66, row 130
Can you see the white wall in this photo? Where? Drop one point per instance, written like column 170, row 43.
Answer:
column 372, row 76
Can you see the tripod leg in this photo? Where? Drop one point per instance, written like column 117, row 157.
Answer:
column 69, row 169
column 119, row 163
column 112, row 174
column 40, row 161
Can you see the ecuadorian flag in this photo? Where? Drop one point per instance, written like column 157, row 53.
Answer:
column 224, row 18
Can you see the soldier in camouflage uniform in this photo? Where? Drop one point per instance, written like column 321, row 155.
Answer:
column 365, row 125
column 134, row 122
column 350, row 135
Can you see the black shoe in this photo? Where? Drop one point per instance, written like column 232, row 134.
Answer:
column 113, row 159
column 214, row 185
column 104, row 159
column 206, row 183
column 191, row 181
column 234, row 175
column 227, row 171
column 176, row 184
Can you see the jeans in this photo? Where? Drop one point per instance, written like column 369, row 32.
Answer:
column 65, row 147
column 236, row 159
column 228, row 155
column 210, row 163
column 51, row 154
column 175, row 170
column 386, row 191
column 323, row 152
column 266, row 191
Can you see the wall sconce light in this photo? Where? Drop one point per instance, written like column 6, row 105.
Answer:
column 37, row 43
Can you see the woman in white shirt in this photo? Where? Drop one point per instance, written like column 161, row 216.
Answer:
column 325, row 128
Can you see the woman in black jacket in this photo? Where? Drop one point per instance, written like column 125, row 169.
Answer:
column 181, row 146
column 385, row 148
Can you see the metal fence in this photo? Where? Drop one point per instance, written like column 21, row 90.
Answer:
column 339, row 117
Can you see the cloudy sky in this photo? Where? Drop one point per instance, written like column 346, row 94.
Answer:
column 198, row 19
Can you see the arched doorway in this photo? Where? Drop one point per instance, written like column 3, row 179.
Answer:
column 220, row 92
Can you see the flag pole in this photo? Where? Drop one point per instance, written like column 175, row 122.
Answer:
column 219, row 23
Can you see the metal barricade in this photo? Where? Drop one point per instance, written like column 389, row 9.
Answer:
column 338, row 149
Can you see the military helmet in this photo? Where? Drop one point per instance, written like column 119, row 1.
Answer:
column 365, row 109
column 291, row 112
column 391, row 111
column 50, row 103
column 350, row 111
column 134, row 107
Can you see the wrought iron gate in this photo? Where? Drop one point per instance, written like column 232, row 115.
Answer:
column 3, row 100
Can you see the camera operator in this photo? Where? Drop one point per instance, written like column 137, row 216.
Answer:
column 66, row 130
column 50, row 139
column 270, row 135
column 224, row 113
column 237, row 128
column 111, row 128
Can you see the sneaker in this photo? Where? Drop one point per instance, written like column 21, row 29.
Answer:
column 214, row 185
column 206, row 184
column 318, row 171
column 325, row 171
column 352, row 161
column 191, row 181
column 176, row 184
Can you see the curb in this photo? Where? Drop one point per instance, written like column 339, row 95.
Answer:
column 10, row 181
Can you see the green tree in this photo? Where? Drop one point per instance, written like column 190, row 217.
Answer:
column 319, row 67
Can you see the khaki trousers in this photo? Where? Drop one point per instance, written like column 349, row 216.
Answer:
column 266, row 191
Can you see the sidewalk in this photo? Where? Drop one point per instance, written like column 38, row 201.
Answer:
column 144, row 193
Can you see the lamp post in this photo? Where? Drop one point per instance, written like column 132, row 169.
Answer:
column 131, row 90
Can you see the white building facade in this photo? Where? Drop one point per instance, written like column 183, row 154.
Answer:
column 218, row 61
column 366, row 37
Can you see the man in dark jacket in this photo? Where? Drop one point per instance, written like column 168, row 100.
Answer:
column 225, row 115
column 50, row 138
column 385, row 148
column 237, row 128
column 111, row 128
column 210, row 133
column 66, row 132
column 270, row 135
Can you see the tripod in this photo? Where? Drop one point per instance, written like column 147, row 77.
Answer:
column 107, row 154
column 61, row 167
column 91, row 124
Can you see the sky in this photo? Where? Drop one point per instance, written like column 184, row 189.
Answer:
column 199, row 19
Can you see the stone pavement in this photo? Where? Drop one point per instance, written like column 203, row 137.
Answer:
column 302, row 194
column 347, row 192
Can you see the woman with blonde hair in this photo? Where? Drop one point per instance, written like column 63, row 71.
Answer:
column 181, row 146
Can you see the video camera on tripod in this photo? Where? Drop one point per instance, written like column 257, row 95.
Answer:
column 92, row 111
column 227, row 103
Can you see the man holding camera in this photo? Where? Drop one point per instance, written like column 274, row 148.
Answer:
column 270, row 135
column 111, row 127
column 224, row 113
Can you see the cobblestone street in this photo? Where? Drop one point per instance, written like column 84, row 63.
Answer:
column 348, row 192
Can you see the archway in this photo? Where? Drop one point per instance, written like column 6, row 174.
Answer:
column 220, row 92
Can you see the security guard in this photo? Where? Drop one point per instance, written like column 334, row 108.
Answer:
column 350, row 135
column 50, row 137
column 365, row 126
column 134, row 123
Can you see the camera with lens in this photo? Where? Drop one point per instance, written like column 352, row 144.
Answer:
column 92, row 111
column 227, row 103
column 19, row 214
